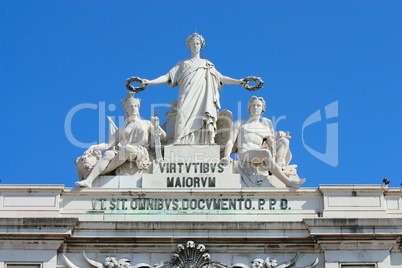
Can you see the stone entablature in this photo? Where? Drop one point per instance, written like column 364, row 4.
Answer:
column 331, row 224
column 328, row 240
column 328, row 225
column 194, row 204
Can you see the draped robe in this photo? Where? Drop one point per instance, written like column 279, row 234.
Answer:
column 136, row 134
column 198, row 101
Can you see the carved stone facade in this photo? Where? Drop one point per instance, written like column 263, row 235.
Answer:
column 190, row 255
column 174, row 198
column 52, row 226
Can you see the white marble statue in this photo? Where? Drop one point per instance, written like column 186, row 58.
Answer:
column 257, row 144
column 198, row 100
column 133, row 138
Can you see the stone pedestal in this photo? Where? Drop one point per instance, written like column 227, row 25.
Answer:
column 191, row 166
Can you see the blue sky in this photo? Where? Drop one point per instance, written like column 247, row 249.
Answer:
column 58, row 55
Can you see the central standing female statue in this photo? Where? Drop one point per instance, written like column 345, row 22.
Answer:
column 198, row 101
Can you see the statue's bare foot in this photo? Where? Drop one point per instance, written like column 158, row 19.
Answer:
column 83, row 183
column 295, row 182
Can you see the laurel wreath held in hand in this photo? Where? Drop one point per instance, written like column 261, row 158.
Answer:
column 134, row 79
column 258, row 80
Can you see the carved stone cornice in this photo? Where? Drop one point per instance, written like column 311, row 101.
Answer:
column 243, row 235
column 35, row 233
column 37, row 228
column 348, row 234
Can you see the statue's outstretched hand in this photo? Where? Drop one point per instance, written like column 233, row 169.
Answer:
column 138, row 80
column 255, row 79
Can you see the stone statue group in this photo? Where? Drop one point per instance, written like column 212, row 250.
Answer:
column 193, row 119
